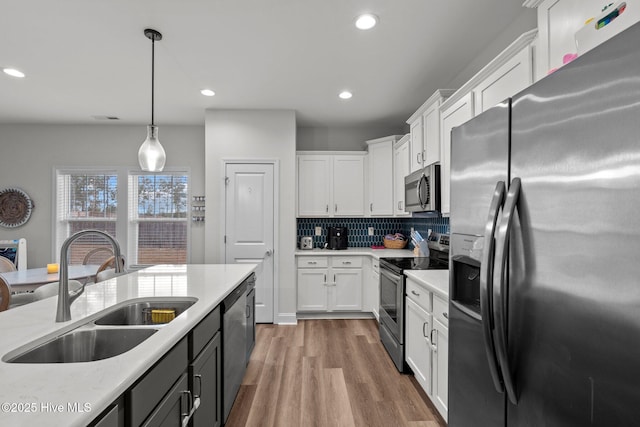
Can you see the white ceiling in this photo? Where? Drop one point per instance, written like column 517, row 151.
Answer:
column 86, row 58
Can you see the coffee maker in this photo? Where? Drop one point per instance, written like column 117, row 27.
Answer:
column 337, row 238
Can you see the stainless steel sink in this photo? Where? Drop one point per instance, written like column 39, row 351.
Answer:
column 146, row 313
column 85, row 345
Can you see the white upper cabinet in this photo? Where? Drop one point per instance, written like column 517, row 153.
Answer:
column 348, row 185
column 314, row 185
column 400, row 170
column 381, row 175
column 512, row 77
column 331, row 185
column 456, row 114
column 424, row 126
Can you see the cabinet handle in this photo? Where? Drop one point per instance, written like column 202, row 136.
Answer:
column 335, row 209
column 248, row 311
column 325, row 280
column 312, row 262
column 446, row 315
column 370, row 207
column 186, row 414
column 424, row 334
column 197, row 381
column 327, row 209
column 401, row 205
column 418, row 158
column 346, row 262
column 434, row 345
column 415, row 293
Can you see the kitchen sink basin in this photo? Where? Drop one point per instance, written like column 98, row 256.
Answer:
column 85, row 345
column 146, row 312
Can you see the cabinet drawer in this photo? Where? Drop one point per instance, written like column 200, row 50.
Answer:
column 419, row 295
column 346, row 261
column 312, row 262
column 203, row 332
column 441, row 310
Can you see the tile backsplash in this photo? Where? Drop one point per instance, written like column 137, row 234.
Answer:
column 359, row 227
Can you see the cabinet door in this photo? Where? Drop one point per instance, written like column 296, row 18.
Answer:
column 440, row 397
column 312, row 289
column 314, row 185
column 346, row 289
column 416, row 145
column 417, row 343
column 431, row 130
column 512, row 77
column 381, row 179
column 455, row 115
column 400, row 170
column 348, row 186
column 206, row 380
column 174, row 408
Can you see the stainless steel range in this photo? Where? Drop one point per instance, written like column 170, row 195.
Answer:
column 392, row 294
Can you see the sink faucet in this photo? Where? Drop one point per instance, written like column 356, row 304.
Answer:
column 65, row 298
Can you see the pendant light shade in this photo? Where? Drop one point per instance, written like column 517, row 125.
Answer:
column 151, row 155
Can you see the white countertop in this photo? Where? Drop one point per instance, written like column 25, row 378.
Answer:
column 99, row 383
column 436, row 281
column 376, row 253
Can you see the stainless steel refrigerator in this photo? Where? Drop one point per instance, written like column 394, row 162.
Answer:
column 544, row 325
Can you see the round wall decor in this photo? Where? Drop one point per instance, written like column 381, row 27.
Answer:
column 15, row 207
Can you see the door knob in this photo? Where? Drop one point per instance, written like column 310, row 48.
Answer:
column 269, row 252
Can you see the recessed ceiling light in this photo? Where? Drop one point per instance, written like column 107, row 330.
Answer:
column 13, row 72
column 345, row 94
column 207, row 92
column 366, row 21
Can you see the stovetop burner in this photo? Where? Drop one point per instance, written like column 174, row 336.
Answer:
column 398, row 265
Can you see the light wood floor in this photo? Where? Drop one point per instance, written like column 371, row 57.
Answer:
column 327, row 373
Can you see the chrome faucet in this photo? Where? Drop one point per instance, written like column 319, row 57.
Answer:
column 65, row 298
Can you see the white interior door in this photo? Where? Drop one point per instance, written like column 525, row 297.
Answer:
column 249, row 226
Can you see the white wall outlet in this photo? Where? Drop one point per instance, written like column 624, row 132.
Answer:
column 318, row 231
column 370, row 231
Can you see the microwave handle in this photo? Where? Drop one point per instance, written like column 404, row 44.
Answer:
column 421, row 182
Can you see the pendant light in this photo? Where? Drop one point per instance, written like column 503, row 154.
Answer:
column 151, row 155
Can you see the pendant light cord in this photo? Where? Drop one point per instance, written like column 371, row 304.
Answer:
column 153, row 61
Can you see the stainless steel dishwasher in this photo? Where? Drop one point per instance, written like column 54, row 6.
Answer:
column 234, row 344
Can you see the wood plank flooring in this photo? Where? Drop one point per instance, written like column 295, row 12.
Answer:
column 327, row 373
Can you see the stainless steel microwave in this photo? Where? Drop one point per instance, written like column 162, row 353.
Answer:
column 422, row 190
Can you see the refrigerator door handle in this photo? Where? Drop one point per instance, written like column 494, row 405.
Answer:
column 486, row 284
column 499, row 292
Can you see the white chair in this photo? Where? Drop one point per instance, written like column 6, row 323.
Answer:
column 6, row 265
column 9, row 300
column 51, row 289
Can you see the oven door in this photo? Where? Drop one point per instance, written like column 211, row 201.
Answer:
column 392, row 303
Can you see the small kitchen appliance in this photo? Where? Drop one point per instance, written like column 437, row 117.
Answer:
column 337, row 238
column 306, row 242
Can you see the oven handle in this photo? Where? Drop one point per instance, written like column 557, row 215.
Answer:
column 486, row 285
column 500, row 292
column 393, row 277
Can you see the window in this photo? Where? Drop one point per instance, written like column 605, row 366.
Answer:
column 147, row 213
column 85, row 200
column 158, row 218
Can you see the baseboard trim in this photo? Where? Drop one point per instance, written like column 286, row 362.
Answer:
column 286, row 319
column 336, row 315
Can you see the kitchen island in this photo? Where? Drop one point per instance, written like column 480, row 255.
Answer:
column 74, row 394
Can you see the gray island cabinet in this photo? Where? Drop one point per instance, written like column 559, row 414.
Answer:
column 170, row 379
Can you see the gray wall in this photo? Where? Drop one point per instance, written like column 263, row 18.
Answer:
column 324, row 138
column 30, row 153
column 254, row 135
column 527, row 20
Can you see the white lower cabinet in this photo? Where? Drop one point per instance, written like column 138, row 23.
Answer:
column 418, row 343
column 330, row 283
column 427, row 342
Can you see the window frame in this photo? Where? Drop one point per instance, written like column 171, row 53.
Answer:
column 123, row 221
